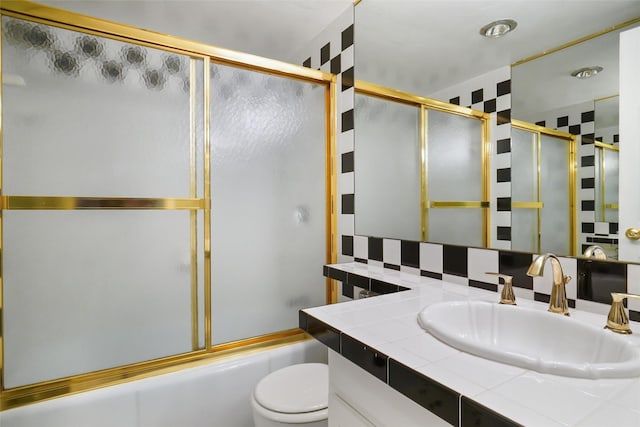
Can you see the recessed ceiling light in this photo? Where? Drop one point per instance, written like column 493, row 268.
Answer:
column 585, row 73
column 499, row 28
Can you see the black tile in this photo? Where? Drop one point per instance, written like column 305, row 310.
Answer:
column 347, row 245
column 599, row 139
column 381, row 287
column 588, row 138
column 587, row 116
column 587, row 161
column 347, row 120
column 571, row 303
column 325, row 271
column 477, row 96
column 334, row 273
column 613, row 228
column 361, row 260
column 503, row 88
column 348, row 203
column 588, row 205
column 347, row 162
column 542, row 123
column 358, row 280
column 516, row 264
column 634, row 315
column 347, row 79
column 588, row 227
column 402, row 288
column 410, row 253
column 537, row 296
column 347, row 290
column 335, row 65
column 503, row 146
column 454, row 260
column 562, row 121
column 324, row 333
column 597, row 279
column 325, row 53
column 588, row 183
column 437, row 398
column 391, row 266
column 302, row 320
column 482, row 285
column 307, row 63
column 503, row 175
column 367, row 358
column 574, row 130
column 503, row 117
column 347, row 37
column 474, row 414
column 375, row 248
column 455, row 101
column 503, row 204
column 616, row 138
column 490, row 106
column 431, row 274
column 503, row 233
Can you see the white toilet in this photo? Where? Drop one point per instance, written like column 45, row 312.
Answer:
column 297, row 394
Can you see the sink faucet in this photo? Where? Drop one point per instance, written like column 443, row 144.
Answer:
column 596, row 252
column 558, row 301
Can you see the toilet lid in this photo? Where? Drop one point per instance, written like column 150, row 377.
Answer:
column 295, row 389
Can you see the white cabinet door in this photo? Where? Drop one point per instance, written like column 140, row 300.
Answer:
column 343, row 415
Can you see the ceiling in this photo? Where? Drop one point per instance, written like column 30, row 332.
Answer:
column 423, row 46
column 276, row 29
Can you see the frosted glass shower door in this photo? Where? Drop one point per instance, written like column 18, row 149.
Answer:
column 555, row 221
column 388, row 172
column 455, row 174
column 268, row 218
column 524, row 190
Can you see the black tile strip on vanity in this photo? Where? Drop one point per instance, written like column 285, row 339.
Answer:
column 366, row 357
column 380, row 287
column 474, row 414
column 334, row 273
column 483, row 285
column 324, row 333
column 429, row 394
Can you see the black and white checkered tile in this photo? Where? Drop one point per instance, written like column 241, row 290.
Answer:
column 333, row 51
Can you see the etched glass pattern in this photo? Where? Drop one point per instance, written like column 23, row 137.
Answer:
column 268, row 201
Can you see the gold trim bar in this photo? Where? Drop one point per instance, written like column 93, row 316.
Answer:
column 527, row 205
column 458, row 204
column 607, row 146
column 611, row 206
column 519, row 124
column 77, row 203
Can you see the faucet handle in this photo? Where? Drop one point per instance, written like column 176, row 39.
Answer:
column 617, row 319
column 507, row 296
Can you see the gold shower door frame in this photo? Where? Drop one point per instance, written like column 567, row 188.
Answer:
column 18, row 396
column 426, row 104
column 536, row 133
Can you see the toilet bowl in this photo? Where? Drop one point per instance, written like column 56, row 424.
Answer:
column 297, row 394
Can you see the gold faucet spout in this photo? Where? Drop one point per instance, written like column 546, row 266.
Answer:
column 558, row 301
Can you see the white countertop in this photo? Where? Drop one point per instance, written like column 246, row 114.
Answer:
column 388, row 323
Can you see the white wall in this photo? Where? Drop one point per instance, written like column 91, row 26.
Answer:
column 217, row 394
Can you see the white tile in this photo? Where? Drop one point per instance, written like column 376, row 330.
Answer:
column 345, row 183
column 511, row 408
column 562, row 404
column 431, row 257
column 391, row 251
column 629, row 397
column 345, row 142
column 484, row 372
column 502, row 161
column 361, row 247
column 603, row 388
column 601, row 228
column 593, row 307
column 345, row 225
column 426, row 346
column 609, row 414
column 410, row 270
column 455, row 279
column 502, row 189
column 481, row 261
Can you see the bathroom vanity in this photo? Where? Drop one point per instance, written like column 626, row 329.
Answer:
column 385, row 370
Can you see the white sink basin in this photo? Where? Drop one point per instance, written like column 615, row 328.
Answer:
column 531, row 339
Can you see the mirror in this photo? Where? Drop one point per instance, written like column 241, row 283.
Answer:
column 402, row 46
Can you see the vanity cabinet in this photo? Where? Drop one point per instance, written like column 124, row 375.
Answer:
column 359, row 399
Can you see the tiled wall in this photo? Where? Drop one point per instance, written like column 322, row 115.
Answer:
column 589, row 289
column 333, row 51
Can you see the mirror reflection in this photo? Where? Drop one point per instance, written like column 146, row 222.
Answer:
column 400, row 46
